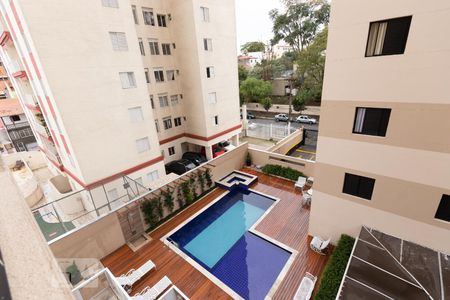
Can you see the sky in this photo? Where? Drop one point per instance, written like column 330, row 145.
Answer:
column 253, row 22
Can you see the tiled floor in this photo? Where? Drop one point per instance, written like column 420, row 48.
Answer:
column 287, row 222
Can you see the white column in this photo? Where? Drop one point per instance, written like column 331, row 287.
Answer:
column 244, row 119
column 235, row 140
column 208, row 152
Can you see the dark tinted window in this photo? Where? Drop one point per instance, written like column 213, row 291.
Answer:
column 371, row 121
column 358, row 186
column 388, row 37
column 443, row 211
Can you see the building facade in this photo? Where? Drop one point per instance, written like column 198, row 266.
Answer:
column 383, row 155
column 118, row 87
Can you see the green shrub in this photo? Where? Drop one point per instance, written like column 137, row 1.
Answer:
column 284, row 172
column 335, row 269
column 168, row 199
column 151, row 210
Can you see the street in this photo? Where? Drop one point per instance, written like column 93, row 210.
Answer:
column 293, row 124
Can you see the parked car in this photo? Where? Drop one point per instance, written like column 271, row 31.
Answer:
column 281, row 117
column 216, row 150
column 305, row 119
column 179, row 167
column 226, row 145
column 194, row 157
column 249, row 115
column 251, row 125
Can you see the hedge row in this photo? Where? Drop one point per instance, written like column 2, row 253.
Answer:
column 335, row 269
column 284, row 172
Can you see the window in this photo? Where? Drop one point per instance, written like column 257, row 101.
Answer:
column 136, row 114
column 174, row 100
column 212, row 98
column 152, row 176
column 152, row 102
column 170, row 75
column 147, row 75
column 163, row 100
column 14, row 118
column 159, row 75
column 141, row 46
column 135, row 16
column 165, row 49
column 207, row 44
column 215, row 120
column 161, row 20
column 167, row 123
column 142, row 145
column 177, row 121
column 210, row 72
column 443, row 211
column 157, row 125
column 154, row 46
column 388, row 37
column 358, row 186
column 171, row 150
column 118, row 41
column 127, row 79
column 371, row 121
column 205, row 13
column 149, row 18
column 110, row 3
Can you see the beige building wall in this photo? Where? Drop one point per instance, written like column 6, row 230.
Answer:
column 411, row 164
column 36, row 276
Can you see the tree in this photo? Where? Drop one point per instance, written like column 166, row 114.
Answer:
column 311, row 65
column 242, row 73
column 253, row 47
column 299, row 103
column 253, row 90
column 267, row 69
column 299, row 24
column 266, row 103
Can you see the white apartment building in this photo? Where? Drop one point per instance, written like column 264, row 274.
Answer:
column 383, row 156
column 118, row 87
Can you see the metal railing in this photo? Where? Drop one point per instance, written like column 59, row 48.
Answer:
column 81, row 207
column 269, row 131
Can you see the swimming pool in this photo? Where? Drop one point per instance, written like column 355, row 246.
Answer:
column 220, row 240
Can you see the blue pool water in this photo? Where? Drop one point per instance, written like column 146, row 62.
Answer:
column 219, row 240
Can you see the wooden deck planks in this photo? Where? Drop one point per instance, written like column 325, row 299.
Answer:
column 287, row 223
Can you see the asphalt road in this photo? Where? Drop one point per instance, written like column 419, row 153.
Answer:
column 293, row 124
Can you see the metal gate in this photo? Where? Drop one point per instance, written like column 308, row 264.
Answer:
column 310, row 137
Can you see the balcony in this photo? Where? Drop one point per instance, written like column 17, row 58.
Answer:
column 17, row 125
column 20, row 74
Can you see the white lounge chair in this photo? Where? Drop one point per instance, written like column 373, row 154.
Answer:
column 129, row 278
column 319, row 245
column 306, row 287
column 153, row 292
column 301, row 181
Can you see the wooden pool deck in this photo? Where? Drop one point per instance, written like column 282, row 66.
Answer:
column 287, row 223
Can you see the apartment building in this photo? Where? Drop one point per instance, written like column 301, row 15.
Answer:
column 383, row 155
column 116, row 87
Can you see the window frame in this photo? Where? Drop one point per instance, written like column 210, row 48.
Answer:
column 147, row 142
column 131, row 83
column 444, row 205
column 161, row 19
column 171, row 150
column 387, row 26
column 163, row 100
column 166, row 49
column 151, row 14
column 385, row 110
column 167, row 123
column 154, row 46
column 160, row 77
column 118, row 41
column 358, row 193
column 136, row 114
column 205, row 17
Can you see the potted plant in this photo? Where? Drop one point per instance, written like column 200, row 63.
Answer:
column 248, row 160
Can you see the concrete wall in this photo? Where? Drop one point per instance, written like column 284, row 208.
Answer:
column 34, row 159
column 411, row 164
column 32, row 271
column 95, row 240
column 263, row 157
column 289, row 142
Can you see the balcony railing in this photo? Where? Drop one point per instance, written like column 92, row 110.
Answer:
column 17, row 125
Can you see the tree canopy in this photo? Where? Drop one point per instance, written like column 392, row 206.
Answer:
column 254, row 90
column 300, row 23
column 253, row 47
column 311, row 65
